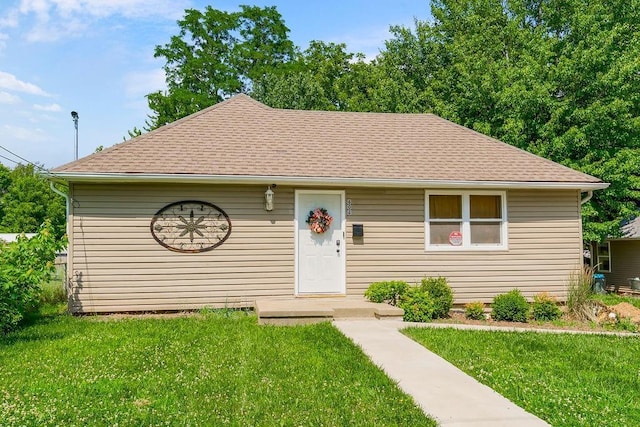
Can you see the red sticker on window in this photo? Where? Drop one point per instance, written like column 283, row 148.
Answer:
column 455, row 238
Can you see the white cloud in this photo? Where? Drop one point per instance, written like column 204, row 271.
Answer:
column 7, row 98
column 138, row 84
column 56, row 19
column 45, row 32
column 10, row 19
column 53, row 108
column 25, row 134
column 10, row 82
column 126, row 8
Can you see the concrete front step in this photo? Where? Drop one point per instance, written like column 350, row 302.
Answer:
column 295, row 311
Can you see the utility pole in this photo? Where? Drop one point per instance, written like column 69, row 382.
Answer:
column 74, row 117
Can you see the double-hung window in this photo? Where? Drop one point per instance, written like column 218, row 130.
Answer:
column 465, row 220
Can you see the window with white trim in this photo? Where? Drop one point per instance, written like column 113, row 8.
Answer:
column 603, row 257
column 465, row 220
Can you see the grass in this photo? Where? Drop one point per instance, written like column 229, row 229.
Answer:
column 53, row 291
column 207, row 369
column 567, row 380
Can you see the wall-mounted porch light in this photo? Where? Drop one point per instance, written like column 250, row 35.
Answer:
column 268, row 198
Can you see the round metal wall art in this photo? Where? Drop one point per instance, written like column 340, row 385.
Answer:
column 190, row 226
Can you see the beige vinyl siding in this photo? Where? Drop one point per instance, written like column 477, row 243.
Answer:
column 544, row 245
column 118, row 266
column 625, row 261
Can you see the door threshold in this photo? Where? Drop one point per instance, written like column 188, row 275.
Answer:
column 320, row 295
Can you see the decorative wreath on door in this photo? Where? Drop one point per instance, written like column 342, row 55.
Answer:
column 319, row 220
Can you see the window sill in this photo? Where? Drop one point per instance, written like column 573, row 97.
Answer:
column 502, row 248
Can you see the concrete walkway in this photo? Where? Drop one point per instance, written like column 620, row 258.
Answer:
column 443, row 391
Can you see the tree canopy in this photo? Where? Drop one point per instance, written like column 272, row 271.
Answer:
column 559, row 78
column 26, row 201
column 217, row 54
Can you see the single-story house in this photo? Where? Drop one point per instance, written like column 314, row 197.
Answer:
column 619, row 258
column 242, row 201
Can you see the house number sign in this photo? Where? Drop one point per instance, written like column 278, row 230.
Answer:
column 190, row 226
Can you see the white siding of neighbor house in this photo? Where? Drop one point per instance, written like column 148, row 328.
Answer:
column 116, row 265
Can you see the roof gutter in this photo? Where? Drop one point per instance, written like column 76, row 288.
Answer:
column 316, row 181
column 586, row 198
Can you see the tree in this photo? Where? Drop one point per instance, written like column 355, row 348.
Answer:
column 310, row 80
column 323, row 77
column 24, row 266
column 215, row 55
column 27, row 201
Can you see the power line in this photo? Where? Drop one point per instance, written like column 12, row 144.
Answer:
column 11, row 160
column 22, row 158
column 35, row 165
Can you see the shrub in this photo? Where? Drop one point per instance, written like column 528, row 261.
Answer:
column 417, row 304
column 442, row 295
column 24, row 266
column 545, row 307
column 512, row 307
column 474, row 310
column 579, row 294
column 389, row 292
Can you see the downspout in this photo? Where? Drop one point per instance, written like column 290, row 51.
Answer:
column 586, row 198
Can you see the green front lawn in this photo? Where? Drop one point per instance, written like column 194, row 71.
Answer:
column 210, row 369
column 567, row 380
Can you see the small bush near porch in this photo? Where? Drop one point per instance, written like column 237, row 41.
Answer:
column 567, row 380
column 210, row 369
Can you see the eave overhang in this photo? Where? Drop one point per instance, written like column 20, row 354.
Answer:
column 83, row 177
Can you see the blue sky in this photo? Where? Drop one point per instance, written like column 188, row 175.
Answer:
column 96, row 57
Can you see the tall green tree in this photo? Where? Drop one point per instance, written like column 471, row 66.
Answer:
column 27, row 201
column 217, row 54
column 313, row 81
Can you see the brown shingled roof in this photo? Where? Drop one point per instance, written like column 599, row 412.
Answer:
column 242, row 137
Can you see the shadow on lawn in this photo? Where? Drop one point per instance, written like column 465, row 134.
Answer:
column 30, row 330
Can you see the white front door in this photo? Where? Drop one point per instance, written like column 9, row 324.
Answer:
column 320, row 257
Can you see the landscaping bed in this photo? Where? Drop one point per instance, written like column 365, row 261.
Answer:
column 626, row 319
column 563, row 324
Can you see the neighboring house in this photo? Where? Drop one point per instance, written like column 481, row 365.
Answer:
column 211, row 210
column 619, row 258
